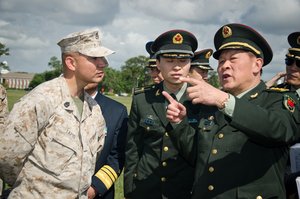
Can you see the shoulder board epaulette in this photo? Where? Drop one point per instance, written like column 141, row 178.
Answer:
column 276, row 89
column 143, row 89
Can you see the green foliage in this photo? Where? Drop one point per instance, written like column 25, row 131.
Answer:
column 55, row 64
column 39, row 78
column 214, row 79
column 112, row 81
column 3, row 50
column 133, row 72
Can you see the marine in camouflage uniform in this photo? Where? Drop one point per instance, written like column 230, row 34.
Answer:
column 50, row 140
column 3, row 104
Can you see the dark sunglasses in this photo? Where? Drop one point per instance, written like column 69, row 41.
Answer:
column 290, row 61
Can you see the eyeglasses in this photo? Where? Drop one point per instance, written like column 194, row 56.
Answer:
column 290, row 61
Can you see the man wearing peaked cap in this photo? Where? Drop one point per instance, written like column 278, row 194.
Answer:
column 152, row 163
column 152, row 68
column 56, row 131
column 239, row 36
column 292, row 83
column 245, row 141
column 200, row 64
column 175, row 44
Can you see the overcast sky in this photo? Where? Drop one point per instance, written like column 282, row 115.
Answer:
column 32, row 28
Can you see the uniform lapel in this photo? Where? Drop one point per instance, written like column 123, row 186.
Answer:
column 159, row 104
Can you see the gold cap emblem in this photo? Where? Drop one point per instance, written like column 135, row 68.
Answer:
column 226, row 32
column 208, row 54
column 177, row 39
column 298, row 40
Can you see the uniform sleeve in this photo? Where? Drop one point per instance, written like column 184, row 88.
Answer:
column 274, row 123
column 18, row 135
column 108, row 173
column 133, row 146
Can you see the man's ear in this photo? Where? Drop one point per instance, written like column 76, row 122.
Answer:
column 158, row 64
column 70, row 62
column 258, row 65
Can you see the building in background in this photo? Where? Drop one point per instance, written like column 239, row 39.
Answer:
column 17, row 80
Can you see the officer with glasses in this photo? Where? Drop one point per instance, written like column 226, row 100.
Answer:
column 292, row 82
column 292, row 62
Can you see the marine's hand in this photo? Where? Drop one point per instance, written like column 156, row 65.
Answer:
column 91, row 192
column 175, row 110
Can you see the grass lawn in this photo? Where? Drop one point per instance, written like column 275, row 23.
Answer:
column 14, row 95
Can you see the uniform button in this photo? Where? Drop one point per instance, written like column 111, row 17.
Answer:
column 221, row 135
column 166, row 134
column 211, row 117
column 259, row 197
column 164, row 164
column 163, row 179
column 148, row 128
column 214, row 151
column 166, row 148
column 135, row 175
column 211, row 169
column 210, row 187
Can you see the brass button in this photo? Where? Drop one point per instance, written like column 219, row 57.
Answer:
column 166, row 134
column 211, row 169
column 211, row 117
column 259, row 197
column 166, row 148
column 164, row 164
column 214, row 151
column 210, row 187
column 147, row 128
column 221, row 135
column 163, row 179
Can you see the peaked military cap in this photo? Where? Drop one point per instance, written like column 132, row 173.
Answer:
column 239, row 36
column 152, row 58
column 294, row 41
column 201, row 59
column 175, row 44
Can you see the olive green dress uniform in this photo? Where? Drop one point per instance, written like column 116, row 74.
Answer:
column 235, row 160
column 154, row 169
column 154, row 166
column 242, row 154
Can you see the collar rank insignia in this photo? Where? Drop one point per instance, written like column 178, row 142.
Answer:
column 289, row 103
column 254, row 95
column 177, row 39
column 157, row 93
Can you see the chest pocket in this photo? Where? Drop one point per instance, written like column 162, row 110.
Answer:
column 56, row 146
column 151, row 125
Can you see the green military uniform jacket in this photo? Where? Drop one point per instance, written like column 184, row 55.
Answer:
column 153, row 166
column 243, row 156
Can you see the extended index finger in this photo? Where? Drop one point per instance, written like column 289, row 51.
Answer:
column 189, row 80
column 168, row 97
